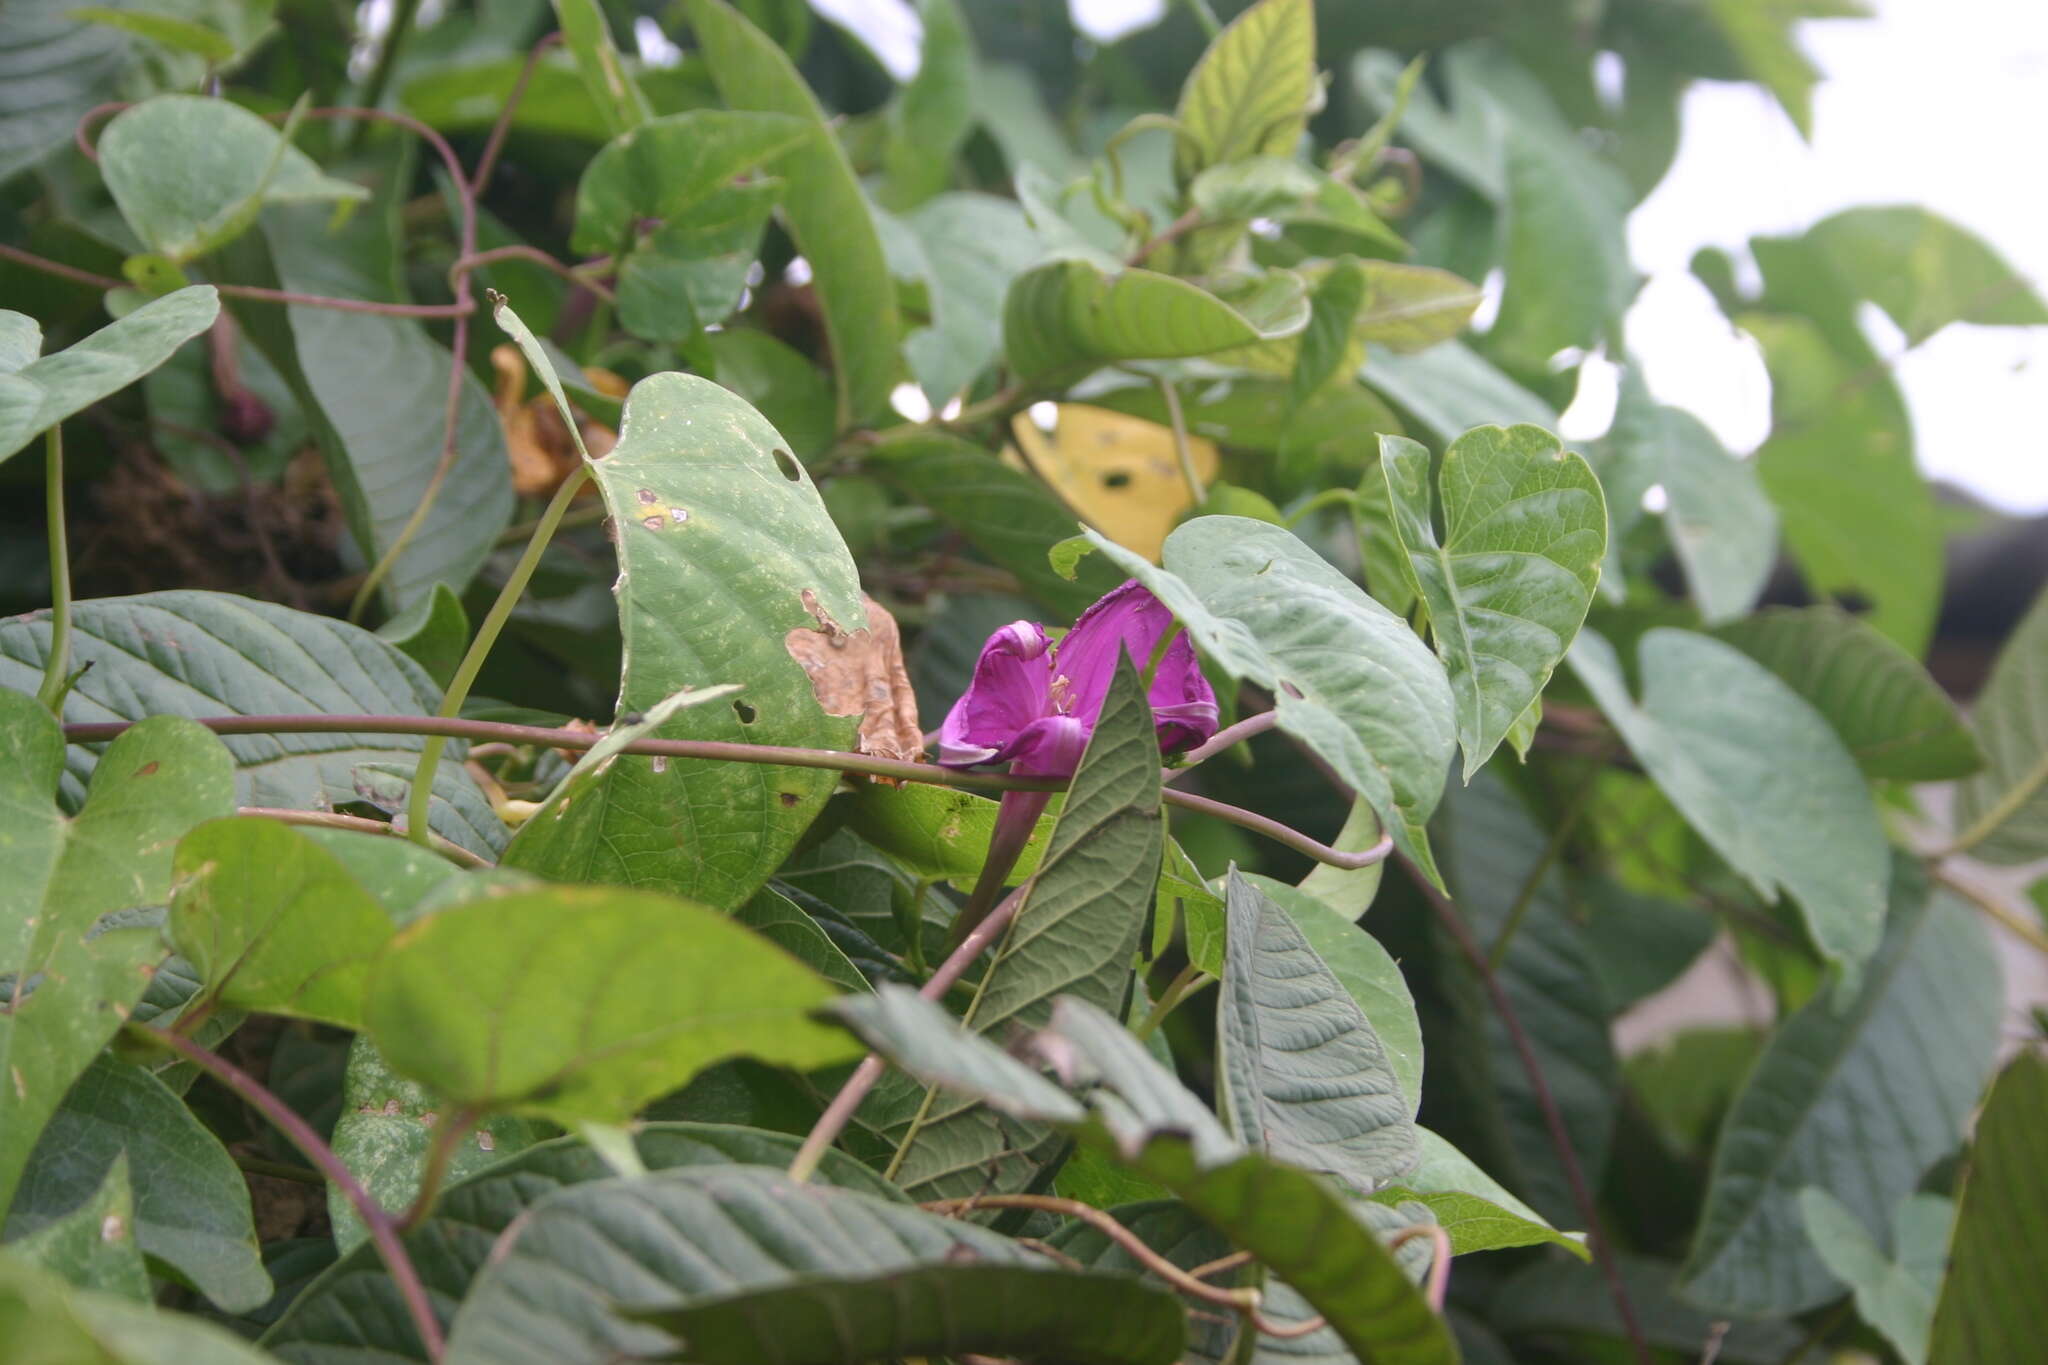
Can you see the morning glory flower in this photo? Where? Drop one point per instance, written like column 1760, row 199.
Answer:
column 1034, row 703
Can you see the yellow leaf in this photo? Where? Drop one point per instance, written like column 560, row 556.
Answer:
column 1119, row 474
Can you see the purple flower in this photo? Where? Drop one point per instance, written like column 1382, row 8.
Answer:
column 1033, row 703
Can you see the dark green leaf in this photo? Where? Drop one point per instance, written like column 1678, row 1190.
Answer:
column 52, row 70
column 824, row 209
column 774, row 917
column 1349, row 678
column 91, row 1246
column 725, row 550
column 667, row 167
column 1301, row 1071
column 354, row 1309
column 1990, row 1308
column 1525, row 529
column 69, row 976
column 433, row 632
column 1858, row 1099
column 1895, row 720
column 2002, row 813
column 1075, row 934
column 191, row 1214
column 1563, row 1304
column 190, row 173
column 468, row 1001
column 213, row 654
column 37, row 394
column 1758, row 773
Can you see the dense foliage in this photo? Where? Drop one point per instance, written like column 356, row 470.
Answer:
column 401, row 402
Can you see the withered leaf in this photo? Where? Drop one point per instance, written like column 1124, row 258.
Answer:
column 861, row 673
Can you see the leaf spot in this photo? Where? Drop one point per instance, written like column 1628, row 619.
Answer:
column 648, row 496
column 653, row 523
column 113, row 1228
column 147, row 769
column 788, row 798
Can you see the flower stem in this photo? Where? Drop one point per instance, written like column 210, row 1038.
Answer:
column 837, row 1114
column 479, row 649
column 1190, row 980
column 1197, row 494
column 57, row 668
column 382, row 1227
column 1016, row 821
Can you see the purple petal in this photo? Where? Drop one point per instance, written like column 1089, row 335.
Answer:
column 1130, row 620
column 1050, row 747
column 1011, row 690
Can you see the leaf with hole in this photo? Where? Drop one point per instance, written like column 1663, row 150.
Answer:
column 1525, row 528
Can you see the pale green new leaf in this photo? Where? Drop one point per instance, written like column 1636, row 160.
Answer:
column 1895, row 720
column 725, row 552
column 1349, row 678
column 1759, row 773
column 468, row 1001
column 1857, row 1098
column 190, row 1214
column 824, row 208
column 2002, row 813
column 1525, row 529
column 1301, row 1071
column 1252, row 91
column 1071, row 315
column 1476, row 1210
column 1412, row 307
column 69, row 977
column 39, row 393
column 185, row 172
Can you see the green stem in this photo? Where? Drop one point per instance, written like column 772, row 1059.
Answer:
column 56, row 671
column 1181, row 448
column 1329, row 497
column 1526, row 896
column 479, row 649
column 1206, row 17
column 1190, row 980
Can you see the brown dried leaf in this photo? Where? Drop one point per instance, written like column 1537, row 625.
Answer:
column 861, row 673
column 537, row 441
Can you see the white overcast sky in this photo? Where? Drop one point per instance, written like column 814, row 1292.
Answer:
column 1936, row 102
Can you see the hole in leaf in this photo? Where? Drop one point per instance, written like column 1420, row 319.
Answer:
column 1120, row 478
column 746, row 713
column 791, row 470
column 788, row 798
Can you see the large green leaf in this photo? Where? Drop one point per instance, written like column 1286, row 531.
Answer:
column 1348, row 677
column 1367, row 972
column 1858, row 517
column 666, row 167
column 1069, row 316
column 191, row 1214
column 69, row 977
column 1301, row 1071
column 354, row 1309
column 1759, row 773
column 934, row 112
column 1524, row 533
column 1006, row 514
column 1857, row 1099
column 39, row 393
column 468, row 1001
column 1990, row 1307
column 1076, row 934
column 1722, row 527
column 273, row 921
column 1323, row 1246
column 1252, row 91
column 190, row 173
column 376, row 392
column 725, row 551
column 2002, row 813
column 52, row 70
column 828, row 1275
column 824, row 208
column 213, row 654
column 1895, row 1290
column 1925, row 271
column 44, row 1320
column 92, row 1246
column 1894, row 719
column 973, row 246
column 692, row 273
column 386, row 1126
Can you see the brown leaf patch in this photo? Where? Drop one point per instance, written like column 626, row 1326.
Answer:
column 861, row 673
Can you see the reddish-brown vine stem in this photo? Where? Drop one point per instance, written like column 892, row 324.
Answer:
column 383, row 1228
column 1553, row 1119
